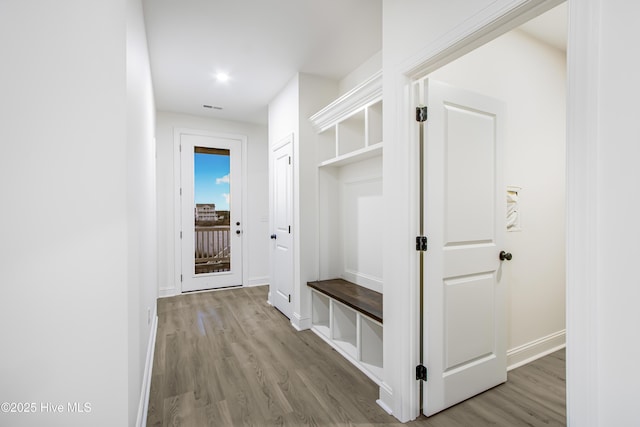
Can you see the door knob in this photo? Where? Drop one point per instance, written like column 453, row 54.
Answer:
column 505, row 256
column 273, row 236
column 238, row 231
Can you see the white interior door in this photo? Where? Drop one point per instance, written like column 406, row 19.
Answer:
column 281, row 288
column 465, row 214
column 211, row 210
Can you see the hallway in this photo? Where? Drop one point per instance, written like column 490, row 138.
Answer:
column 228, row 358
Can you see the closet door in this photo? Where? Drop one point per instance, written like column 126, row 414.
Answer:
column 281, row 287
column 465, row 213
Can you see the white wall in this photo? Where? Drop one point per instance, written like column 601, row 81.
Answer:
column 530, row 77
column 365, row 70
column 141, row 211
column 289, row 113
column 64, row 216
column 256, row 231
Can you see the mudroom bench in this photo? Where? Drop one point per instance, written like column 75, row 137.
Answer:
column 349, row 318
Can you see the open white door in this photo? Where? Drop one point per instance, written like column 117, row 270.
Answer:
column 281, row 286
column 465, row 211
column 211, row 211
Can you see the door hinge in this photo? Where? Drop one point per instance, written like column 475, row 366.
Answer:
column 289, row 297
column 421, row 373
column 289, row 159
column 181, row 277
column 289, row 229
column 421, row 113
column 181, row 234
column 181, row 191
column 421, row 243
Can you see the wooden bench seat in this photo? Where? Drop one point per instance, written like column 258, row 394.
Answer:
column 357, row 297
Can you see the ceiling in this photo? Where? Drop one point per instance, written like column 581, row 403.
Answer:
column 263, row 44
column 260, row 44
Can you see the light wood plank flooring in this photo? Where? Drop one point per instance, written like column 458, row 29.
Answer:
column 227, row 358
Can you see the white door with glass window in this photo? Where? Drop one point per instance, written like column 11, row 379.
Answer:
column 281, row 287
column 211, row 212
column 465, row 214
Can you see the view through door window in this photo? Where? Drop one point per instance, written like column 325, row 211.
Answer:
column 212, row 215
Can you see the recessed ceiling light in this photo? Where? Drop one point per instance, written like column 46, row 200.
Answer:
column 222, row 77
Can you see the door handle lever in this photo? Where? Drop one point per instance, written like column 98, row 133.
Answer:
column 273, row 236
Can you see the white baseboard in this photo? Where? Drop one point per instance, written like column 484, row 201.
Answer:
column 143, row 405
column 386, row 398
column 170, row 292
column 299, row 323
column 536, row 349
column 258, row 281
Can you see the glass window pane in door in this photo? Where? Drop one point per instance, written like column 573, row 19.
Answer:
column 212, row 187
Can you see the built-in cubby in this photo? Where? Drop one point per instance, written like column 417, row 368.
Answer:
column 321, row 313
column 354, row 326
column 370, row 346
column 350, row 128
column 351, row 135
column 344, row 325
column 350, row 223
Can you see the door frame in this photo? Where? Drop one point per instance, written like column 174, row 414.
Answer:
column 177, row 208
column 582, row 114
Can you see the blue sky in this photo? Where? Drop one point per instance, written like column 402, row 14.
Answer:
column 212, row 179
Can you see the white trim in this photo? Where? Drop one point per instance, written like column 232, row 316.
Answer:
column 168, row 292
column 583, row 65
column 386, row 397
column 257, row 281
column 143, row 404
column 177, row 213
column 300, row 323
column 498, row 18
column 535, row 349
column 366, row 93
column 177, row 223
column 288, row 138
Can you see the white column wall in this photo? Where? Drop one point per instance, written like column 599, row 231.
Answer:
column 617, row 176
column 289, row 113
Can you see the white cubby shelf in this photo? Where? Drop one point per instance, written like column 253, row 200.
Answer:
column 350, row 128
column 349, row 318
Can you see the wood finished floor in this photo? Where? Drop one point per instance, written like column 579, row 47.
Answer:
column 227, row 358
